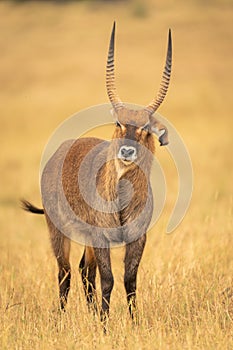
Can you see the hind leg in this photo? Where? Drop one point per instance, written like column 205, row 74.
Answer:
column 64, row 274
column 61, row 249
column 87, row 268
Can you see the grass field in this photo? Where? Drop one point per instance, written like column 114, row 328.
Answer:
column 52, row 65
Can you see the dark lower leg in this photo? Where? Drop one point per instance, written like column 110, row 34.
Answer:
column 130, row 287
column 64, row 277
column 61, row 248
column 87, row 268
column 106, row 279
column 133, row 256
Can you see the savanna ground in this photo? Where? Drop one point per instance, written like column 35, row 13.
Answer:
column 52, row 65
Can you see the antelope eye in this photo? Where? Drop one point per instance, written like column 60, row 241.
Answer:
column 118, row 124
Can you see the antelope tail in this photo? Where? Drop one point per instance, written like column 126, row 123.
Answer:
column 27, row 206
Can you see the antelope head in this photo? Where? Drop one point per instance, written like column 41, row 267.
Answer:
column 136, row 126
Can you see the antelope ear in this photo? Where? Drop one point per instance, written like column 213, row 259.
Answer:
column 160, row 130
column 113, row 113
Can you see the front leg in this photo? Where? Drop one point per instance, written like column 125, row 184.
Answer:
column 102, row 256
column 132, row 260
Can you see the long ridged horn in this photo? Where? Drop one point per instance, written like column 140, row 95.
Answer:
column 154, row 105
column 110, row 74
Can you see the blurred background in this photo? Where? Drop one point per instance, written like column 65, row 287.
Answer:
column 53, row 56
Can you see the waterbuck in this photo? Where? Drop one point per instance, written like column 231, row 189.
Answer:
column 119, row 208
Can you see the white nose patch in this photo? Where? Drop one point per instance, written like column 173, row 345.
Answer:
column 127, row 153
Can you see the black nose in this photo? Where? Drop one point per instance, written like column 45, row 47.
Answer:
column 127, row 152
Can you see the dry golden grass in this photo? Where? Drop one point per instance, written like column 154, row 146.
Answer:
column 52, row 65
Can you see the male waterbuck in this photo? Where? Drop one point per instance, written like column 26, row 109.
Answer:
column 119, row 208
